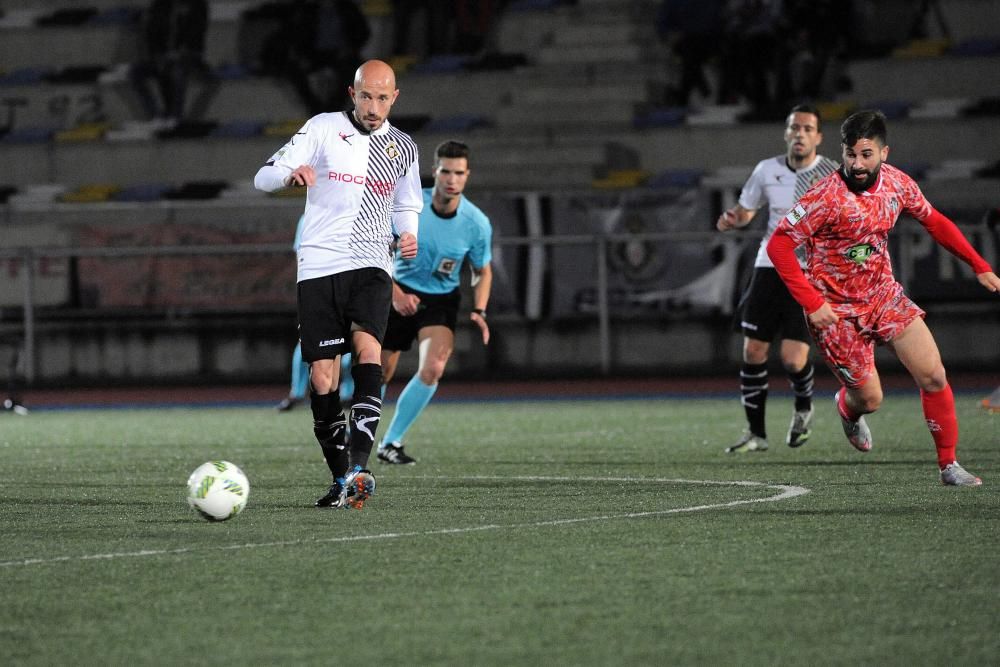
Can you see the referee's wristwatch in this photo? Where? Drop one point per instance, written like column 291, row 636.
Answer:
column 480, row 311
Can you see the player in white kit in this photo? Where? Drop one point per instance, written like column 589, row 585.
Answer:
column 363, row 191
column 767, row 310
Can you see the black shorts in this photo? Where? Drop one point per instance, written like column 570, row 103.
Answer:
column 434, row 310
column 767, row 309
column 331, row 307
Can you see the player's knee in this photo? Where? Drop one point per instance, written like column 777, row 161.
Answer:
column 932, row 381
column 870, row 401
column 430, row 373
column 755, row 351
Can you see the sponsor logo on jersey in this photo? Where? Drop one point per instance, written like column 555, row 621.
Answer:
column 860, row 253
column 331, row 341
column 344, row 177
column 795, row 215
column 383, row 188
column 345, row 137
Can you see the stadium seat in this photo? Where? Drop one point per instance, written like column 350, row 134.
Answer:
column 893, row 109
column 621, row 179
column 83, row 132
column 123, row 16
column 669, row 117
column 87, row 194
column 25, row 76
column 723, row 114
column 6, row 191
column 197, row 190
column 922, row 48
column 986, row 46
column 76, row 74
column 67, row 17
column 145, row 192
column 441, row 64
column 939, row 108
column 28, row 135
column 675, row 178
column 459, row 123
column 238, row 128
column 534, row 5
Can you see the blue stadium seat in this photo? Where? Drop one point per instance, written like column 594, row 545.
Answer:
column 441, row 64
column 25, row 76
column 29, row 135
column 893, row 109
column 238, row 129
column 459, row 123
column 667, row 117
column 117, row 16
column 986, row 46
column 676, row 178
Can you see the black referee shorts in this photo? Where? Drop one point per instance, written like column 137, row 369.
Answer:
column 434, row 309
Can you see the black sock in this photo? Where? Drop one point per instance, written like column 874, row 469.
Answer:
column 753, row 391
column 330, row 429
column 802, row 385
column 366, row 411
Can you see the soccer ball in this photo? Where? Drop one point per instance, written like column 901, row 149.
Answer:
column 218, row 490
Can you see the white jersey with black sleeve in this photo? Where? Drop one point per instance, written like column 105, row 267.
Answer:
column 367, row 187
column 779, row 186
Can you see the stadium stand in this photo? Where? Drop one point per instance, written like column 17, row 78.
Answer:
column 569, row 97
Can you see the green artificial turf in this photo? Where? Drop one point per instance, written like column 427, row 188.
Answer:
column 553, row 532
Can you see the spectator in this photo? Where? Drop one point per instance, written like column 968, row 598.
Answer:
column 438, row 18
column 317, row 49
column 691, row 28
column 474, row 21
column 748, row 53
column 811, row 47
column 174, row 43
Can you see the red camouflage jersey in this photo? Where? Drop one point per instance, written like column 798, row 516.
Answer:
column 846, row 236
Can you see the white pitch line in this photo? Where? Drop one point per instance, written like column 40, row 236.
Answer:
column 787, row 491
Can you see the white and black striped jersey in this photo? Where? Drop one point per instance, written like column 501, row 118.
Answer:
column 774, row 183
column 367, row 185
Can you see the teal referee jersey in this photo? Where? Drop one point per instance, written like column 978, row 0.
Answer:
column 444, row 245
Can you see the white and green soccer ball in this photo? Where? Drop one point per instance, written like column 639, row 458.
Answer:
column 218, row 490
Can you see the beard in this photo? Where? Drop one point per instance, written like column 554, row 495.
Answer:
column 854, row 185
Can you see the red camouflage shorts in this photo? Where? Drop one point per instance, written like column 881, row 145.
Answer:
column 849, row 345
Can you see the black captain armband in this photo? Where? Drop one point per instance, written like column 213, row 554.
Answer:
column 480, row 311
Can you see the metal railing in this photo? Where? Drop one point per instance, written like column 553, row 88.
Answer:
column 914, row 243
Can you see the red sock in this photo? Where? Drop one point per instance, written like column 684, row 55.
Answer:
column 843, row 408
column 939, row 411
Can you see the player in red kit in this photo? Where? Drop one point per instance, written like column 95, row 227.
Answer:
column 851, row 299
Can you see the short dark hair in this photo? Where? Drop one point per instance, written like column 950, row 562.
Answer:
column 808, row 108
column 867, row 124
column 452, row 149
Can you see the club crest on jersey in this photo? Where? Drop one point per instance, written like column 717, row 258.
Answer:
column 795, row 214
column 446, row 266
column 392, row 150
column 860, row 253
